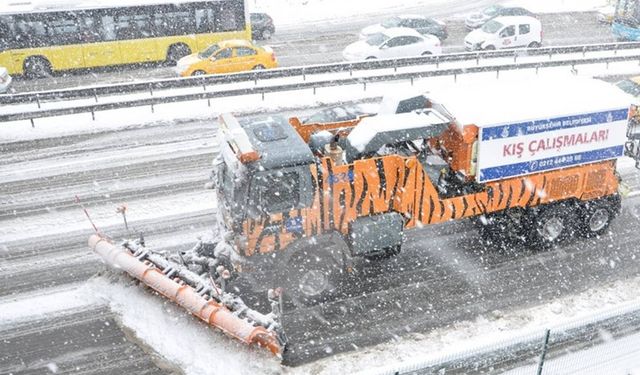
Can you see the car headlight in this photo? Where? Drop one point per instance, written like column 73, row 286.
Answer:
column 181, row 68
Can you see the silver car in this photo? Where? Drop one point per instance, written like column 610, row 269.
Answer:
column 475, row 20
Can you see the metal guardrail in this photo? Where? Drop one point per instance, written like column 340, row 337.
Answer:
column 155, row 100
column 518, row 351
column 163, row 84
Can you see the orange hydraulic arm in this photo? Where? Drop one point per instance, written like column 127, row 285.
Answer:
column 215, row 312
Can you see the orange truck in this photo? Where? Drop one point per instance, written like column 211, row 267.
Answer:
column 298, row 204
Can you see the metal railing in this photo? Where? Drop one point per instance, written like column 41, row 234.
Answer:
column 530, row 350
column 156, row 100
column 173, row 83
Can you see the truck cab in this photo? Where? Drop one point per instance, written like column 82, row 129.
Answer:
column 263, row 170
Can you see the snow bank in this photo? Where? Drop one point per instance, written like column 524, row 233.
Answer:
column 179, row 337
column 40, row 303
column 200, row 350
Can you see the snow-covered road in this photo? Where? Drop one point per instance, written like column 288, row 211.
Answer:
column 445, row 278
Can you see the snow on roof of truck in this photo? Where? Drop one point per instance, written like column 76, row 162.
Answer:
column 514, row 101
column 370, row 127
column 277, row 143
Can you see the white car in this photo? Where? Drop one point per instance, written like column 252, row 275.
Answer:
column 606, row 14
column 5, row 80
column 393, row 43
column 423, row 25
column 505, row 32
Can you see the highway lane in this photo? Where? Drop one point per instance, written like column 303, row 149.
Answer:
column 323, row 42
column 447, row 275
column 84, row 342
column 444, row 275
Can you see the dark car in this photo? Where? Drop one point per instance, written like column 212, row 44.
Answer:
column 423, row 25
column 261, row 26
column 475, row 20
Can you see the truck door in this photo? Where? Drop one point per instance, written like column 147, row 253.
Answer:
column 507, row 37
column 277, row 207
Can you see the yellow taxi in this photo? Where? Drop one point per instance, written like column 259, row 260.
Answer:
column 227, row 56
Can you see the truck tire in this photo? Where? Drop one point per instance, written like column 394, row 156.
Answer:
column 503, row 229
column 37, row 67
column 551, row 225
column 311, row 275
column 596, row 216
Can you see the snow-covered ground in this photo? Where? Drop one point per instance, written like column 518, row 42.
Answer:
column 193, row 344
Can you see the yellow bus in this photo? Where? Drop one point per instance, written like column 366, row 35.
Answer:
column 39, row 40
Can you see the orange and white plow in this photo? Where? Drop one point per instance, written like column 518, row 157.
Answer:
column 198, row 295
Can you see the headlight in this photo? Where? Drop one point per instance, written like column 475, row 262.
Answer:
column 181, row 68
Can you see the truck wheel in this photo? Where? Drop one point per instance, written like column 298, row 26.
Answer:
column 551, row 225
column 596, row 216
column 312, row 273
column 311, row 277
column 37, row 67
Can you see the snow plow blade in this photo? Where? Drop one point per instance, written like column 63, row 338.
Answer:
column 223, row 311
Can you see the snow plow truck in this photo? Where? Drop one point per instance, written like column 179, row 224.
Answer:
column 299, row 204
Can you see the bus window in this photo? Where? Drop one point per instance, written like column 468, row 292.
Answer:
column 64, row 28
column 204, row 21
column 6, row 33
column 89, row 30
column 229, row 16
column 133, row 26
column 30, row 31
column 176, row 20
column 106, row 27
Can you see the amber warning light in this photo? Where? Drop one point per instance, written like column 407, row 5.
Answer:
column 238, row 139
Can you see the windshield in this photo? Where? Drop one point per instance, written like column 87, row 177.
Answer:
column 491, row 11
column 629, row 87
column 391, row 22
column 209, row 51
column 376, row 39
column 492, row 27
